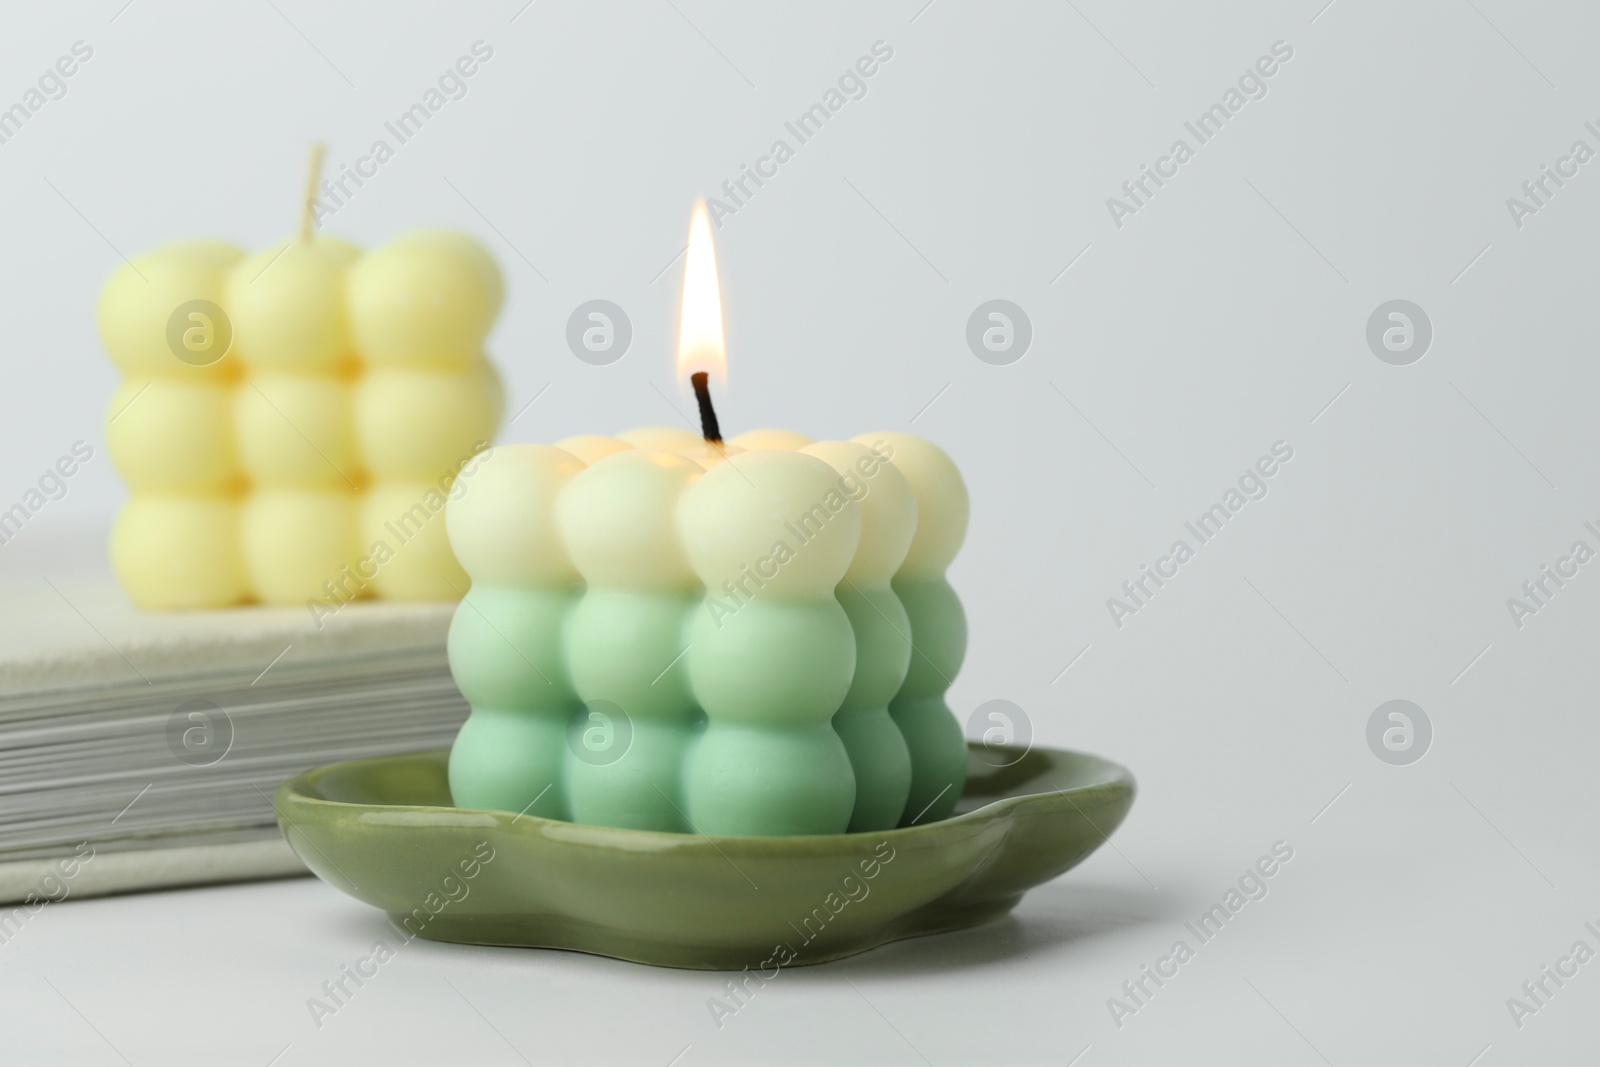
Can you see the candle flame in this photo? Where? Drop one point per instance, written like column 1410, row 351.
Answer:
column 700, row 343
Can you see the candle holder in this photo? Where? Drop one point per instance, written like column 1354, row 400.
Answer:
column 384, row 831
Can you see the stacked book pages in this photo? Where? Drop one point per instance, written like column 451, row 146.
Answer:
column 140, row 749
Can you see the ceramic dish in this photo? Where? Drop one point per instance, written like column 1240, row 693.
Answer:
column 383, row 831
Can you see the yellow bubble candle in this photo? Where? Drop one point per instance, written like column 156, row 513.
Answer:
column 291, row 423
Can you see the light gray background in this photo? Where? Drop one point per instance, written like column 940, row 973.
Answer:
column 1225, row 316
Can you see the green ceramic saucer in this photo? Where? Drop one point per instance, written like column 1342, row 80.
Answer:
column 383, row 831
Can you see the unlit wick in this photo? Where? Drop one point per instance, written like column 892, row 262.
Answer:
column 708, row 414
column 313, row 176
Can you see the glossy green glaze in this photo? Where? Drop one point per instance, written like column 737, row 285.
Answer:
column 383, row 831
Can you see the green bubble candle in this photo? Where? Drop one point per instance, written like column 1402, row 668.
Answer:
column 666, row 631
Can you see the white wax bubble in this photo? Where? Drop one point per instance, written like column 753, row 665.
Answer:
column 617, row 519
column 780, row 516
column 942, row 505
column 502, row 517
column 888, row 507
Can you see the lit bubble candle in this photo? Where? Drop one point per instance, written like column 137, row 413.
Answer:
column 669, row 632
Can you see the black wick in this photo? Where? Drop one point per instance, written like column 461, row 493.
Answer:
column 708, row 414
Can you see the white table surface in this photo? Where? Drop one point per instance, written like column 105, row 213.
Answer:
column 1370, row 947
